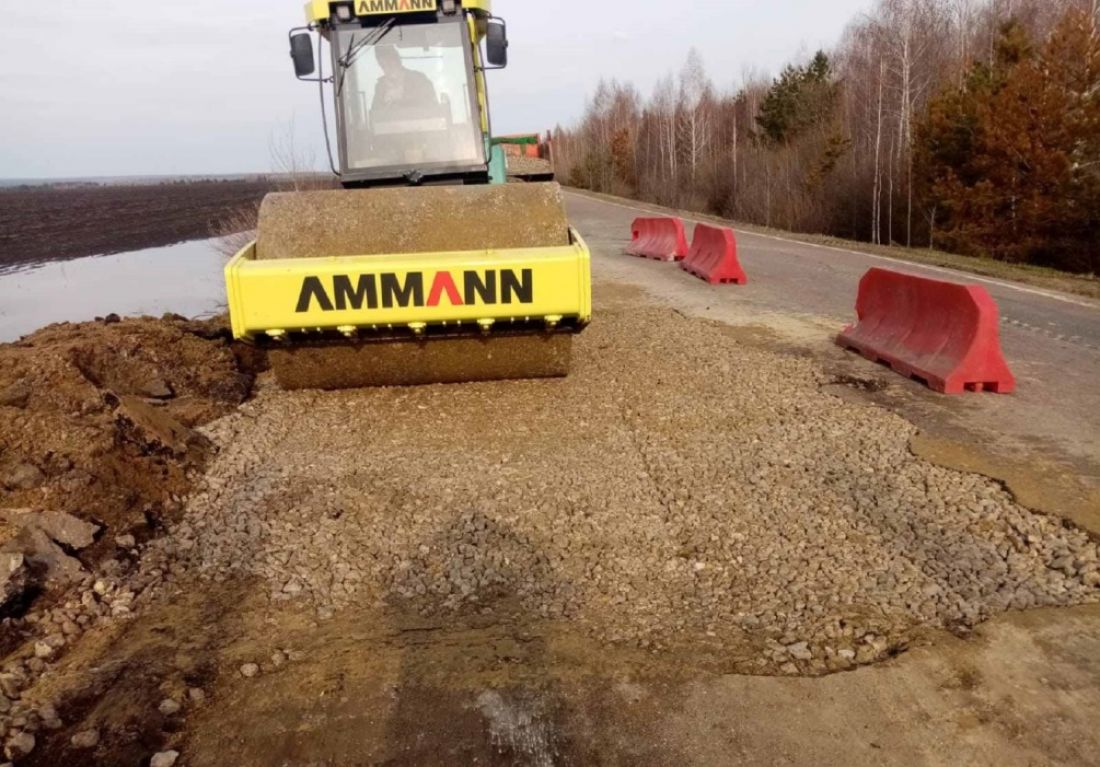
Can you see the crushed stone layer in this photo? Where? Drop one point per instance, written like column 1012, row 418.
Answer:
column 680, row 489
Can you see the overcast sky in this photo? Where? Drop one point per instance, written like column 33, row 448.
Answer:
column 117, row 87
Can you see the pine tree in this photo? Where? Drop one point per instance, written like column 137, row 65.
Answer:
column 797, row 99
column 1010, row 158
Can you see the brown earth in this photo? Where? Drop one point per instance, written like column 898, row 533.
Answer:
column 96, row 419
column 54, row 223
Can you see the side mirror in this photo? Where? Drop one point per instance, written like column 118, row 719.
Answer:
column 496, row 43
column 301, row 50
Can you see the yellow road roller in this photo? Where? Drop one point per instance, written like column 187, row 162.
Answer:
column 426, row 266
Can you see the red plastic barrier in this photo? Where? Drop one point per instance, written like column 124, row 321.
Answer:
column 713, row 256
column 941, row 332
column 661, row 238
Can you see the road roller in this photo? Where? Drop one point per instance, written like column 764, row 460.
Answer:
column 424, row 265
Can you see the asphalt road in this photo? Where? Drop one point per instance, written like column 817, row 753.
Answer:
column 1051, row 339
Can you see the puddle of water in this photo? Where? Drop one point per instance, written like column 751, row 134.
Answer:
column 184, row 278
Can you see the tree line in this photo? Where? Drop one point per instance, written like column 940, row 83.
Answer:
column 967, row 125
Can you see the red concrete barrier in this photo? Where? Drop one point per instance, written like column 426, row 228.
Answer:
column 663, row 239
column 713, row 256
column 941, row 332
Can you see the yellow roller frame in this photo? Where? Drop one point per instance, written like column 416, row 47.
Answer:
column 321, row 10
column 481, row 290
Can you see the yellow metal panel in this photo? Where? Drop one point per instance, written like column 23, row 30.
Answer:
column 316, row 10
column 319, row 10
column 479, row 77
column 338, row 293
column 393, row 7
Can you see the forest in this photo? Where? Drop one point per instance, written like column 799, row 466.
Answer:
column 971, row 126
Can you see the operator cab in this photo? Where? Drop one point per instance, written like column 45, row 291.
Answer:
column 406, row 93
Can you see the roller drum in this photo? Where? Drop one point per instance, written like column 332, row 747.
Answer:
column 323, row 224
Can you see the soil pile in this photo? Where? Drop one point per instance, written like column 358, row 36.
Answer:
column 97, row 449
column 97, row 419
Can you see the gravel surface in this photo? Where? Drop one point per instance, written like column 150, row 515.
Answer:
column 681, row 487
column 529, row 166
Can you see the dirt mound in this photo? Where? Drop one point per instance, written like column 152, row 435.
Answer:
column 96, row 419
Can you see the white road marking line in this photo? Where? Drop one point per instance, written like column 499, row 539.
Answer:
column 954, row 272
column 1071, row 340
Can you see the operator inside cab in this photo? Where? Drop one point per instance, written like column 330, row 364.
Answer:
column 401, row 88
column 408, row 98
column 406, row 113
